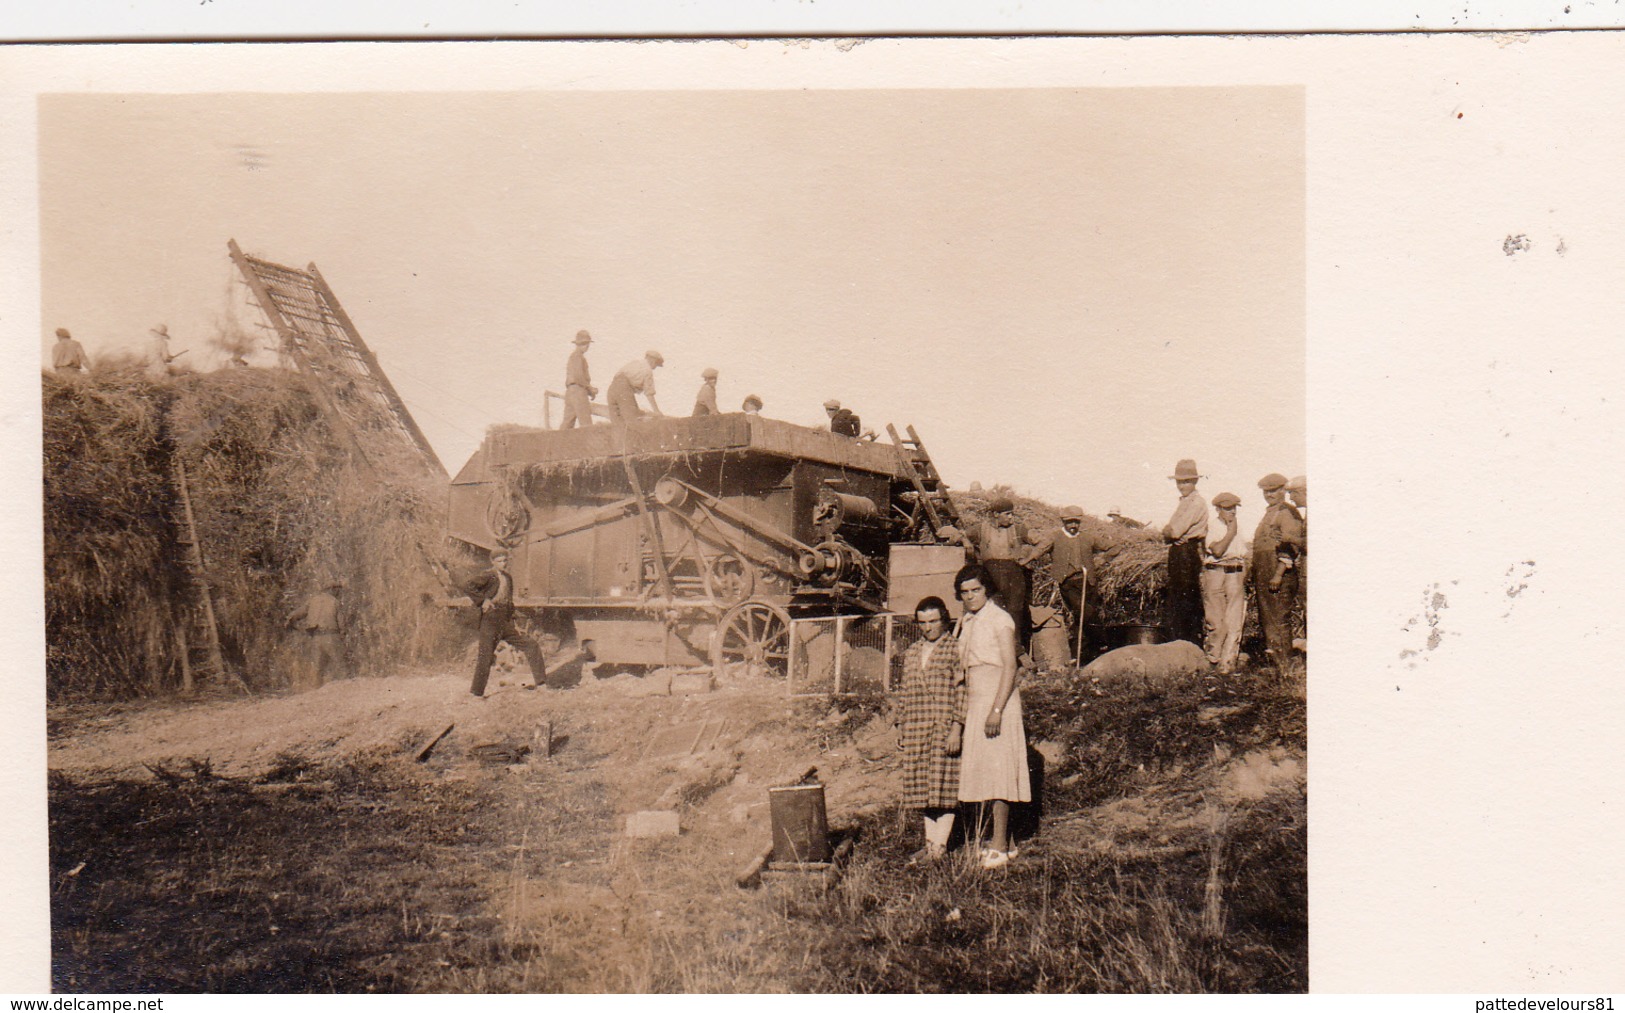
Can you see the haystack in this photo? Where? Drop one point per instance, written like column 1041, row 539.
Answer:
column 1133, row 568
column 282, row 503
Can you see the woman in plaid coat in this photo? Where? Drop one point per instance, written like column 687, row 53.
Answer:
column 931, row 724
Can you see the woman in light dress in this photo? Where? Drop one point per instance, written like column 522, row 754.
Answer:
column 993, row 764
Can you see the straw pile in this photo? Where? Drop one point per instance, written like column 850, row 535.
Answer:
column 281, row 506
column 1133, row 568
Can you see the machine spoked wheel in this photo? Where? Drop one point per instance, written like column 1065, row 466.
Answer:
column 754, row 637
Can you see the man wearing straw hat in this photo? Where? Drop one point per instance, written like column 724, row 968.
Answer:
column 158, row 357
column 1224, row 592
column 66, row 355
column 634, row 378
column 1072, row 567
column 319, row 618
column 1185, row 532
column 1277, row 546
column 578, row 388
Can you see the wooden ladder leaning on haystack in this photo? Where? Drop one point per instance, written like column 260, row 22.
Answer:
column 930, row 492
column 198, row 633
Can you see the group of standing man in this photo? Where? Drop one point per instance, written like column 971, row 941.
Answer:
column 637, row 377
column 1210, row 567
column 634, row 378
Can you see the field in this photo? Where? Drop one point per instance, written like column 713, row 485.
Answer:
column 291, row 843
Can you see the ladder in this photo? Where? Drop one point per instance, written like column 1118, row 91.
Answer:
column 198, row 633
column 930, row 492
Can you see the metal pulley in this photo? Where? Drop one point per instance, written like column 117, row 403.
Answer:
column 832, row 562
column 670, row 493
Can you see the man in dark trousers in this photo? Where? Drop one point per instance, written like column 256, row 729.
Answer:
column 1185, row 533
column 1072, row 566
column 318, row 616
column 1277, row 546
column 1001, row 542
column 493, row 593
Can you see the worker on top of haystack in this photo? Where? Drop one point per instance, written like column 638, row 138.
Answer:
column 634, row 378
column 705, row 402
column 1001, row 542
column 66, row 355
column 1072, row 566
column 578, row 388
column 1224, row 593
column 1115, row 515
column 1185, row 533
column 842, row 421
column 492, row 591
column 318, row 616
column 158, row 357
column 752, row 405
column 1277, row 547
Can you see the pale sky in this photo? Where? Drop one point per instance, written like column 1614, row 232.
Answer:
column 1065, row 290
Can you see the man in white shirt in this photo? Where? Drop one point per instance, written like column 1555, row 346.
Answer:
column 1185, row 532
column 636, row 377
column 1224, row 589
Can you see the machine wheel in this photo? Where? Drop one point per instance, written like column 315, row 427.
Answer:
column 754, row 635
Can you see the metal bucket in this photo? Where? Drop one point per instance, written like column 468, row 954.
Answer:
column 800, row 830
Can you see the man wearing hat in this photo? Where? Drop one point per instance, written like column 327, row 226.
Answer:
column 1224, row 591
column 705, row 402
column 1001, row 541
column 66, row 355
column 318, row 617
column 752, row 405
column 842, row 421
column 578, row 388
column 1185, row 532
column 158, row 357
column 1277, row 546
column 493, row 593
column 636, row 377
column 1072, row 567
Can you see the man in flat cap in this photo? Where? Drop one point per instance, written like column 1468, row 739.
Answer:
column 578, row 388
column 318, row 617
column 634, row 378
column 1224, row 590
column 66, row 355
column 493, row 593
column 1185, row 533
column 705, row 402
column 752, row 405
column 842, row 421
column 1001, row 542
column 1277, row 546
column 1072, row 566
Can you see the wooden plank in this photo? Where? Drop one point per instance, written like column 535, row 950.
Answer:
column 422, row 755
column 751, row 874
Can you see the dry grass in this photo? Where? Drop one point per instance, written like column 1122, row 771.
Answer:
column 281, row 505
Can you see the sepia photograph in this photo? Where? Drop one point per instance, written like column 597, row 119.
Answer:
column 715, row 516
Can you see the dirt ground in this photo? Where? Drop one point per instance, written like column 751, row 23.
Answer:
column 598, row 910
